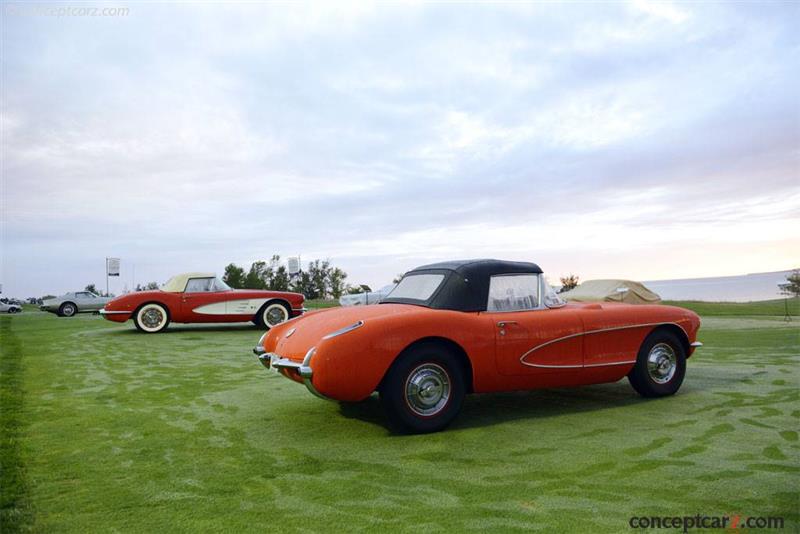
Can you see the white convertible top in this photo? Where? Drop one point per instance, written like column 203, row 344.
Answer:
column 177, row 283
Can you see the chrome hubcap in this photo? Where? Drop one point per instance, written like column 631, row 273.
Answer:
column 661, row 363
column 427, row 389
column 275, row 315
column 69, row 310
column 152, row 317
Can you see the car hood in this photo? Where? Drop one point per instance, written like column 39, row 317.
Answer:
column 294, row 338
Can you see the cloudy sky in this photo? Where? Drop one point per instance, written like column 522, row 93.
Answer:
column 637, row 140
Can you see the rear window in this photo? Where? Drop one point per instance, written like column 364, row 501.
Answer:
column 417, row 287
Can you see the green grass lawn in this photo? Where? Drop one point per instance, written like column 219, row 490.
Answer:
column 105, row 429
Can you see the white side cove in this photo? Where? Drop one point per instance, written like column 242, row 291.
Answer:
column 232, row 307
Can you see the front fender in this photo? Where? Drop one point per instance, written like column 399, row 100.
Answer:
column 349, row 367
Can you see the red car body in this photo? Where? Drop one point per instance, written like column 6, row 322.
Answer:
column 455, row 340
column 216, row 303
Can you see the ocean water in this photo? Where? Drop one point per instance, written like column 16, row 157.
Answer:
column 742, row 288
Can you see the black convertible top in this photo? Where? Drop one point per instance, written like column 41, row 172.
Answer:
column 466, row 283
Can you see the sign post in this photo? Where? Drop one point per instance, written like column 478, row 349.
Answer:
column 112, row 269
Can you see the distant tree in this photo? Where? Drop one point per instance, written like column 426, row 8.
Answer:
column 355, row 290
column 147, row 287
column 303, row 284
column 568, row 282
column 90, row 288
column 320, row 271
column 792, row 286
column 234, row 276
column 337, row 282
column 280, row 279
column 255, row 278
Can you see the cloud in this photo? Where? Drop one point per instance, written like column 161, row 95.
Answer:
column 587, row 138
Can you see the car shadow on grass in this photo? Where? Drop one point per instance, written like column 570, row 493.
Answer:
column 497, row 408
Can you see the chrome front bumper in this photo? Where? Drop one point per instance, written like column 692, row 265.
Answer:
column 103, row 311
column 270, row 360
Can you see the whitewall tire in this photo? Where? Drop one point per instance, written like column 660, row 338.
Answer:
column 274, row 314
column 151, row 318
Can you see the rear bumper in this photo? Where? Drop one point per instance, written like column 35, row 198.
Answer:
column 303, row 370
column 117, row 316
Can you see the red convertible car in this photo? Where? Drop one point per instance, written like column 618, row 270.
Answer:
column 202, row 298
column 477, row 326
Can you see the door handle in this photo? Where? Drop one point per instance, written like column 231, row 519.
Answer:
column 502, row 324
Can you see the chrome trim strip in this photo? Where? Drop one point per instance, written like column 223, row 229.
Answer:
column 598, row 331
column 696, row 344
column 610, row 363
column 103, row 311
column 346, row 329
column 543, row 366
column 303, row 309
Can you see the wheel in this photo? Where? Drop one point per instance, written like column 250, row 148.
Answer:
column 67, row 309
column 273, row 314
column 660, row 365
column 424, row 389
column 151, row 318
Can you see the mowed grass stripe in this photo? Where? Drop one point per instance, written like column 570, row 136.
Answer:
column 15, row 511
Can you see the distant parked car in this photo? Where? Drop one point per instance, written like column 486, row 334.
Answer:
column 369, row 297
column 10, row 308
column 69, row 304
column 202, row 298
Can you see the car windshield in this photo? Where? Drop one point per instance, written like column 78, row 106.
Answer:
column 219, row 285
column 416, row 287
column 205, row 285
column 551, row 298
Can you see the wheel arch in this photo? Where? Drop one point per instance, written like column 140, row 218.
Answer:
column 457, row 350
column 679, row 332
column 273, row 300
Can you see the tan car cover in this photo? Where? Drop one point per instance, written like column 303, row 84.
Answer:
column 609, row 291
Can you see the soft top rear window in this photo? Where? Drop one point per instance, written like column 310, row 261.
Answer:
column 416, row 287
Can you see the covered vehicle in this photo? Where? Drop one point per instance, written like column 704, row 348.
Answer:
column 626, row 291
column 202, row 298
column 477, row 326
column 69, row 304
column 368, row 297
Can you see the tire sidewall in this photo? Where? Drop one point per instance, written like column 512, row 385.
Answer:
column 151, row 305
column 262, row 314
column 392, row 392
column 640, row 376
